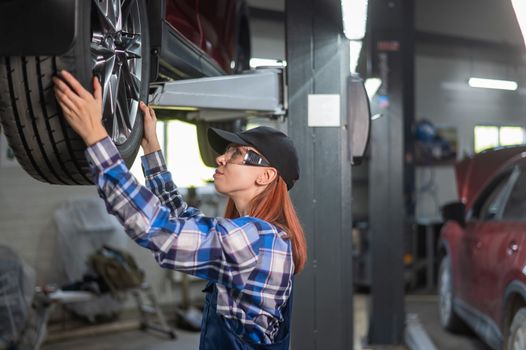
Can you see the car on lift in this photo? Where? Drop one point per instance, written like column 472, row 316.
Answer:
column 482, row 249
column 128, row 44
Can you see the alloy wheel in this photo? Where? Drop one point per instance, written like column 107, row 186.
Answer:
column 116, row 56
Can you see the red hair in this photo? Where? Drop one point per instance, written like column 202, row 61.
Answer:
column 274, row 206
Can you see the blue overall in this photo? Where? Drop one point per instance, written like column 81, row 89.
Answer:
column 217, row 335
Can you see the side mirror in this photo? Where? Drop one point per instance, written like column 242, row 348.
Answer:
column 455, row 211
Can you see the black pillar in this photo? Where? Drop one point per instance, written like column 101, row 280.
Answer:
column 391, row 194
column 318, row 63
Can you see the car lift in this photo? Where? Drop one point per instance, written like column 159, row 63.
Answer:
column 259, row 92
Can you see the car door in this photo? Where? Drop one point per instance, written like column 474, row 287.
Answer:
column 509, row 258
column 480, row 235
column 494, row 245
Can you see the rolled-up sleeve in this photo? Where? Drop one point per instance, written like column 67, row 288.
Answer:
column 159, row 181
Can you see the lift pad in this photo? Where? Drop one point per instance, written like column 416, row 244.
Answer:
column 255, row 92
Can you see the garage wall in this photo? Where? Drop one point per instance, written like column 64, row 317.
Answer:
column 444, row 98
column 27, row 207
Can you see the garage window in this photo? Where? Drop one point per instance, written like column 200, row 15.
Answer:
column 491, row 136
column 183, row 157
column 180, row 148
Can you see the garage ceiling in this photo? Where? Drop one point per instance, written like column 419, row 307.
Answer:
column 488, row 20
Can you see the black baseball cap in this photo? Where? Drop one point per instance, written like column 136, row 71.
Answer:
column 274, row 145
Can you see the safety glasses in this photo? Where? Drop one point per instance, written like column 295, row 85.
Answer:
column 243, row 156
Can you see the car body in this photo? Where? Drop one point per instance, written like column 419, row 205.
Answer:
column 216, row 31
column 200, row 37
column 483, row 243
column 219, row 28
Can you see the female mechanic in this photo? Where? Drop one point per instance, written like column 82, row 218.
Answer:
column 249, row 256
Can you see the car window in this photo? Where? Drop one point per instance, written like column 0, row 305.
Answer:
column 515, row 208
column 490, row 203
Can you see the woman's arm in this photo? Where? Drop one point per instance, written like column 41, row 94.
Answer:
column 158, row 178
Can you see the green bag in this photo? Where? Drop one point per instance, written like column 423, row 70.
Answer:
column 117, row 269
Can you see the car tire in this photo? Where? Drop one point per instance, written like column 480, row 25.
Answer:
column 44, row 144
column 517, row 333
column 448, row 317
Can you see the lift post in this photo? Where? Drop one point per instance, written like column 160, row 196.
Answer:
column 318, row 65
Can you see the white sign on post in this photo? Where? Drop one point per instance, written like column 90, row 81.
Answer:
column 324, row 110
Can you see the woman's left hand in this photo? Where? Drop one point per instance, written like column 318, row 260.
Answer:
column 82, row 110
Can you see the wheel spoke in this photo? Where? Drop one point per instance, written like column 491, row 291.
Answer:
column 106, row 14
column 134, row 108
column 122, row 120
column 119, row 135
column 132, row 82
column 130, row 95
column 115, row 85
column 117, row 11
column 126, row 7
column 104, row 69
column 119, row 109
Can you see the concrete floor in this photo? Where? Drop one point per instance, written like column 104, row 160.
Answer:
column 129, row 340
column 425, row 306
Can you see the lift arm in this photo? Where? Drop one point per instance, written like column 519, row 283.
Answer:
column 256, row 92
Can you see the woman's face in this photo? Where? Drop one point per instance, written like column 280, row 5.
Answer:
column 232, row 175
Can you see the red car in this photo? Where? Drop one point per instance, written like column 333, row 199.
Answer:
column 482, row 275
column 128, row 44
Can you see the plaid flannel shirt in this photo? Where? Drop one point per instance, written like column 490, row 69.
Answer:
column 250, row 259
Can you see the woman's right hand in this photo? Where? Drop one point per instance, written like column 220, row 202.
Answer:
column 149, row 142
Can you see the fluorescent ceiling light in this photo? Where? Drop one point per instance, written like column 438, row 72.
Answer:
column 520, row 12
column 493, row 84
column 371, row 86
column 356, row 49
column 265, row 62
column 354, row 13
column 377, row 116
